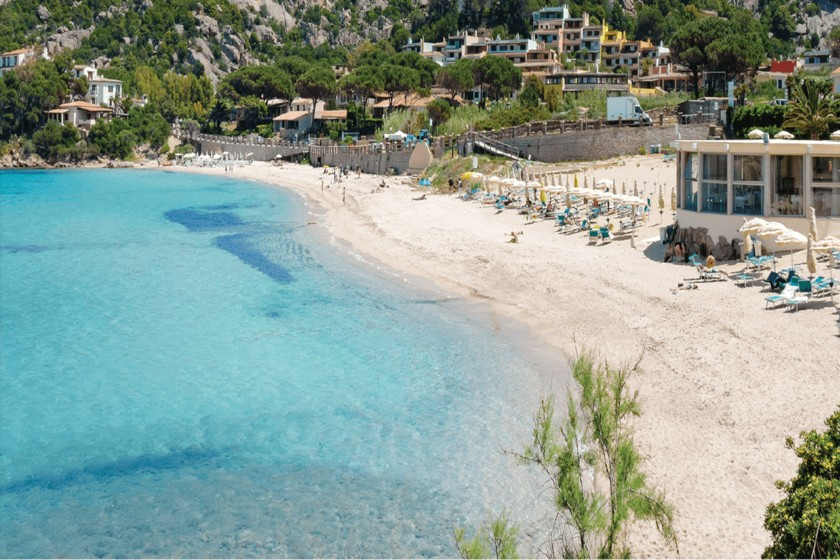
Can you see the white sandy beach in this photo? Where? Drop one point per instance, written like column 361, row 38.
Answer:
column 724, row 381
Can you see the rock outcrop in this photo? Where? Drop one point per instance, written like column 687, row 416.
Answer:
column 67, row 40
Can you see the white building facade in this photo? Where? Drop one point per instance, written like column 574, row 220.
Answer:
column 722, row 182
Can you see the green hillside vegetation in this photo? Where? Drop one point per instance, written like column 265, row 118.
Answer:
column 150, row 47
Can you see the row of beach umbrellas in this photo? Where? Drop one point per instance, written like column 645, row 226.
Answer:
column 786, row 238
column 758, row 134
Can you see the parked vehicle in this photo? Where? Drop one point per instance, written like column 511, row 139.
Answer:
column 626, row 108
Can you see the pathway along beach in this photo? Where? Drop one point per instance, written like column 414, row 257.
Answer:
column 723, row 380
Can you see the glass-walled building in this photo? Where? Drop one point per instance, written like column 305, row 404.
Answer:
column 721, row 182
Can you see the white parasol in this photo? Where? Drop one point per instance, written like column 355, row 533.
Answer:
column 812, row 226
column 828, row 245
column 753, row 225
column 810, row 261
column 784, row 135
column 771, row 231
column 756, row 134
column 835, row 135
column 747, row 246
column 792, row 240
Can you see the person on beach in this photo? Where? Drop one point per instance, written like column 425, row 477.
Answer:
column 679, row 252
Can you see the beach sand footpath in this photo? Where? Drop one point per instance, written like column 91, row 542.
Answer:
column 723, row 380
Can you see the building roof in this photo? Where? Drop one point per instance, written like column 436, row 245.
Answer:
column 18, row 51
column 783, row 66
column 58, row 111
column 104, row 81
column 84, row 105
column 335, row 115
column 291, row 116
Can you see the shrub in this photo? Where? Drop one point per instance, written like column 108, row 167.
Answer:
column 806, row 522
column 53, row 140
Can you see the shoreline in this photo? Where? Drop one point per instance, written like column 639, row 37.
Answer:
column 720, row 387
column 723, row 381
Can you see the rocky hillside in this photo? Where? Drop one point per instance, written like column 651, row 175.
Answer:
column 217, row 36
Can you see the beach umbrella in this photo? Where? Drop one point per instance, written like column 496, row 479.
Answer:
column 756, row 134
column 792, row 240
column 747, row 246
column 828, row 245
column 812, row 226
column 568, row 201
column 623, row 187
column 576, row 182
column 585, row 182
column 635, row 188
column 810, row 261
column 674, row 200
column 661, row 204
column 835, row 135
column 605, row 183
column 770, row 231
column 753, row 225
column 784, row 135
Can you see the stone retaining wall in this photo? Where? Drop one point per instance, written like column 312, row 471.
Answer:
column 604, row 143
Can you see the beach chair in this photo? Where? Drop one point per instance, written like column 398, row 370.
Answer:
column 605, row 234
column 743, row 279
column 773, row 281
column 820, row 285
column 801, row 295
column 696, row 260
column 779, row 299
column 594, row 234
column 709, row 274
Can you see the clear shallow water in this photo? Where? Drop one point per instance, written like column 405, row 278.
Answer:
column 186, row 369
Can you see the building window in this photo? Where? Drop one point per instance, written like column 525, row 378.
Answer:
column 714, row 183
column 690, row 182
column 826, row 187
column 826, row 170
column 787, row 186
column 748, row 186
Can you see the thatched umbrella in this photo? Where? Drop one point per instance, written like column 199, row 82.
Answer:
column 771, row 230
column 756, row 134
column 623, row 187
column 635, row 188
column 784, row 135
column 577, row 186
column 661, row 204
column 754, row 225
column 674, row 200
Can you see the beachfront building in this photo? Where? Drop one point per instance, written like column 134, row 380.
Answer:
column 80, row 114
column 573, row 81
column 721, row 182
column 18, row 57
column 778, row 73
column 815, row 60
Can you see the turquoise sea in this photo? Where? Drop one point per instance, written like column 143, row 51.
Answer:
column 188, row 369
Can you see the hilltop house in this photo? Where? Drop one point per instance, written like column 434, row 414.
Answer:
column 104, row 91
column 12, row 59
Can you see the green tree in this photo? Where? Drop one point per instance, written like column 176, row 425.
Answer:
column 498, row 76
column 496, row 539
column 364, row 81
column 398, row 79
column 812, row 108
column 439, row 111
column 595, row 436
column 54, row 140
column 264, row 82
column 318, row 83
column 806, row 522
column 690, row 47
column 457, row 78
column 834, row 42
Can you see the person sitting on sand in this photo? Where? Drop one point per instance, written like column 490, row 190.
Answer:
column 679, row 252
column 710, row 262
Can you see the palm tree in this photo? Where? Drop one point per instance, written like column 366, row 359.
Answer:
column 811, row 108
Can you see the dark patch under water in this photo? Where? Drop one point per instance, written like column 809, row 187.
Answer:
column 196, row 220
column 240, row 246
column 121, row 467
column 23, row 248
